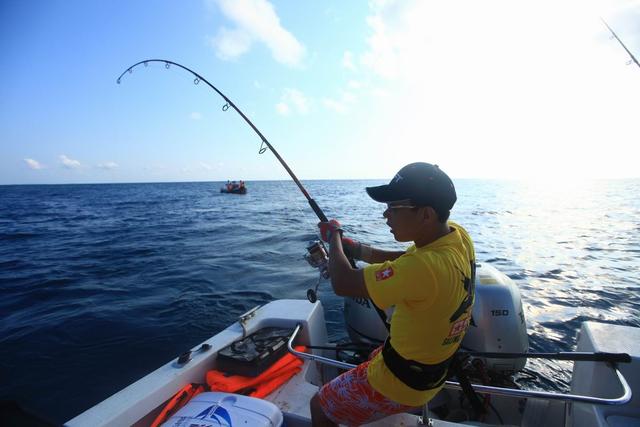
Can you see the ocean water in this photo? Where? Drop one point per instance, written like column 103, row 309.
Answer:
column 101, row 284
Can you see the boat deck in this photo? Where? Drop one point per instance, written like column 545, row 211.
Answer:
column 139, row 403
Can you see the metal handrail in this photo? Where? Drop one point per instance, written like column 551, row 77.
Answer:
column 484, row 389
column 314, row 357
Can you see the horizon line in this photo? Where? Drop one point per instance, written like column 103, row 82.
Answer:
column 308, row 180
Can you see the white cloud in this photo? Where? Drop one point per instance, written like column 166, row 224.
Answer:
column 292, row 100
column 34, row 164
column 337, row 106
column 231, row 44
column 379, row 92
column 195, row 116
column 255, row 20
column 340, row 106
column 348, row 97
column 347, row 61
column 69, row 163
column 382, row 54
column 298, row 99
column 283, row 109
column 354, row 84
column 108, row 165
column 206, row 166
column 475, row 80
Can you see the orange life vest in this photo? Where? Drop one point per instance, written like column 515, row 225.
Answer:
column 262, row 385
column 178, row 401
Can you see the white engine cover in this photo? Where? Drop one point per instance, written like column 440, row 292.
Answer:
column 498, row 323
column 215, row 409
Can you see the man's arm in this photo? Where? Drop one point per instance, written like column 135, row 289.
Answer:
column 345, row 280
column 376, row 256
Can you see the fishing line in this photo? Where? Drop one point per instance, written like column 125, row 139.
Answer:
column 264, row 142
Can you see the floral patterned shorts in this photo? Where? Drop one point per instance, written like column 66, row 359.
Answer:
column 349, row 399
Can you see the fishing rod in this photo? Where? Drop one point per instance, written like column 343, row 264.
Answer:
column 228, row 104
column 633, row 58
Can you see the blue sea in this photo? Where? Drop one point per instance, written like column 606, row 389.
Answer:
column 102, row 284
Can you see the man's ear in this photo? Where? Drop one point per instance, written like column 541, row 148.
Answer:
column 430, row 214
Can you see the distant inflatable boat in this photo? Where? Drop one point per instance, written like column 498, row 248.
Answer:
column 234, row 187
column 242, row 190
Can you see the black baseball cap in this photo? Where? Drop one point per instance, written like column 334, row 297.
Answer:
column 423, row 184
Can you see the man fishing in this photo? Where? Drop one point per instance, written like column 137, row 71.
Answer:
column 431, row 285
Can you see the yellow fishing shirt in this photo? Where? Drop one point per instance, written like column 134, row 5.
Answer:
column 427, row 286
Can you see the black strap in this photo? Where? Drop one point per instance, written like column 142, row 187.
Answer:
column 382, row 314
column 456, row 370
column 418, row 376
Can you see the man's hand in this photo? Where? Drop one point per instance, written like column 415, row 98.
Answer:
column 346, row 280
column 328, row 228
column 352, row 248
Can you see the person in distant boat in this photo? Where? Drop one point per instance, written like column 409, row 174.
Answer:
column 431, row 285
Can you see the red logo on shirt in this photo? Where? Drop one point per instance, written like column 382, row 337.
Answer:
column 384, row 274
column 459, row 327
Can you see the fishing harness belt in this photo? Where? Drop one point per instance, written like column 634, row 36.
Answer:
column 418, row 376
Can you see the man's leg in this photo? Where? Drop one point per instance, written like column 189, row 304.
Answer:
column 318, row 418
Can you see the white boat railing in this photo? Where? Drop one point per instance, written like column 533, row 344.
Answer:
column 484, row 389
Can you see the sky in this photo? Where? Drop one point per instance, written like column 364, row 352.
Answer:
column 342, row 90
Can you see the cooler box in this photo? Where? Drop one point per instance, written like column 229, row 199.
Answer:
column 216, row 409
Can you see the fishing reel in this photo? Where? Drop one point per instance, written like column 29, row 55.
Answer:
column 317, row 257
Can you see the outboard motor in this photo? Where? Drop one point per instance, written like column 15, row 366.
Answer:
column 497, row 325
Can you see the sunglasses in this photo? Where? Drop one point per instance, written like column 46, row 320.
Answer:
column 401, row 204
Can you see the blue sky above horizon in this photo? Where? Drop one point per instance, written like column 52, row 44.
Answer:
column 343, row 90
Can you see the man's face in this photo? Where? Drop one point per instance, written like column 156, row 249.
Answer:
column 404, row 220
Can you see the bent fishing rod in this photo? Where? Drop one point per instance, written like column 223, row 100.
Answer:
column 614, row 35
column 228, row 104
